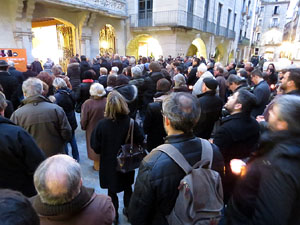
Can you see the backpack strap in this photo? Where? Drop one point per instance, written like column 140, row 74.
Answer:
column 207, row 152
column 177, row 157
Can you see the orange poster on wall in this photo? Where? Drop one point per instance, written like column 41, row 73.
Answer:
column 18, row 56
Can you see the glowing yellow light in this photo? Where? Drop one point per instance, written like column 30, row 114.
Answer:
column 104, row 44
column 237, row 166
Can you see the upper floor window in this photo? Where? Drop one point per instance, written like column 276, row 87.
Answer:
column 276, row 10
column 274, row 22
column 190, row 8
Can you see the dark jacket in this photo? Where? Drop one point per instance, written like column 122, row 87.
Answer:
column 103, row 80
column 37, row 67
column 96, row 68
column 192, row 78
column 106, row 64
column 65, row 98
column 150, row 87
column 269, row 194
column 73, row 72
column 262, row 94
column 231, row 71
column 46, row 122
column 222, row 87
column 106, row 140
column 130, row 93
column 17, row 74
column 139, row 83
column 153, row 124
column 118, row 64
column 87, row 208
column 10, row 85
column 83, row 93
column 156, row 186
column 29, row 73
column 19, row 157
column 84, row 66
column 211, row 108
column 237, row 138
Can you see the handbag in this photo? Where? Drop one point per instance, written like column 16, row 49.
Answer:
column 130, row 155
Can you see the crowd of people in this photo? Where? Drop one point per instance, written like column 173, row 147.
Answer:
column 249, row 116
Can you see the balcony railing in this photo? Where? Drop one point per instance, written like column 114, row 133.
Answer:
column 178, row 18
column 244, row 41
column 117, row 7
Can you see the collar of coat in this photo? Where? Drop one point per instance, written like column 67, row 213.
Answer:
column 236, row 116
column 179, row 138
column 207, row 93
column 85, row 197
column 35, row 99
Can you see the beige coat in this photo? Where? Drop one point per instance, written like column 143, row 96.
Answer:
column 92, row 111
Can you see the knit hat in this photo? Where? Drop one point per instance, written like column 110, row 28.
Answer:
column 210, row 83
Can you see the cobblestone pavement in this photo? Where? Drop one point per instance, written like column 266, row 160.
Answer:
column 90, row 176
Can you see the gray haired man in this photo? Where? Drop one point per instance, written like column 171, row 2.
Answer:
column 62, row 199
column 156, row 186
column 45, row 121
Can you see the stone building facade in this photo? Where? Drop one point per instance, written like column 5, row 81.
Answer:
column 269, row 28
column 83, row 20
column 189, row 27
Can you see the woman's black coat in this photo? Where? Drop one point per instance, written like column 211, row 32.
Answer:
column 106, row 140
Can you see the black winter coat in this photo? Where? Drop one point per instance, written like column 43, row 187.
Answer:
column 82, row 93
column 73, row 72
column 37, row 67
column 130, row 93
column 237, row 138
column 150, row 87
column 211, row 108
column 10, row 85
column 19, row 157
column 29, row 73
column 65, row 98
column 262, row 94
column 192, row 78
column 153, row 124
column 156, row 186
column 84, row 66
column 269, row 194
column 96, row 67
column 106, row 140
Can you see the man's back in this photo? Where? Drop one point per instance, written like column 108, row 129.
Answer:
column 88, row 208
column 262, row 94
column 159, row 176
column 211, row 107
column 19, row 157
column 46, row 122
column 9, row 84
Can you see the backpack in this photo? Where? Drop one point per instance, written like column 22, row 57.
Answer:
column 200, row 198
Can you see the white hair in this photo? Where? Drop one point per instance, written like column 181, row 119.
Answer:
column 32, row 86
column 11, row 63
column 59, row 83
column 202, row 68
column 136, row 71
column 97, row 89
column 115, row 70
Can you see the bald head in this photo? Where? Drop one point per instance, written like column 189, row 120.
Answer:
column 58, row 180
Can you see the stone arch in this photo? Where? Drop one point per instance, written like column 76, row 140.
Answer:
column 219, row 53
column 53, row 38
column 107, row 39
column 144, row 45
column 198, row 48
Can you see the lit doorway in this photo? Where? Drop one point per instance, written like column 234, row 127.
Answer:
column 107, row 40
column 54, row 39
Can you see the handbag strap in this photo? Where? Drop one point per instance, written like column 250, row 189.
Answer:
column 129, row 131
column 175, row 154
column 132, row 129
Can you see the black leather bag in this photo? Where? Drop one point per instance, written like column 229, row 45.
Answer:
column 130, row 155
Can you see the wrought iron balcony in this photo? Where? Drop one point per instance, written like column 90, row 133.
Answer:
column 117, row 7
column 178, row 18
column 244, row 41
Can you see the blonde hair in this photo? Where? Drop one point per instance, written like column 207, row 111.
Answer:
column 115, row 105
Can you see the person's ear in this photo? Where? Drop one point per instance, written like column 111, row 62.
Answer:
column 282, row 125
column 238, row 107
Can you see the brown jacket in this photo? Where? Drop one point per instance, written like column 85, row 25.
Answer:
column 87, row 208
column 92, row 111
column 46, row 122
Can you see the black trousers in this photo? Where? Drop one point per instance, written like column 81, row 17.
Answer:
column 115, row 200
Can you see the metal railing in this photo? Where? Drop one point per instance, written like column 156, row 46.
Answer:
column 178, row 18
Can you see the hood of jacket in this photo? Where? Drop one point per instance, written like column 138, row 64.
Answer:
column 128, row 91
